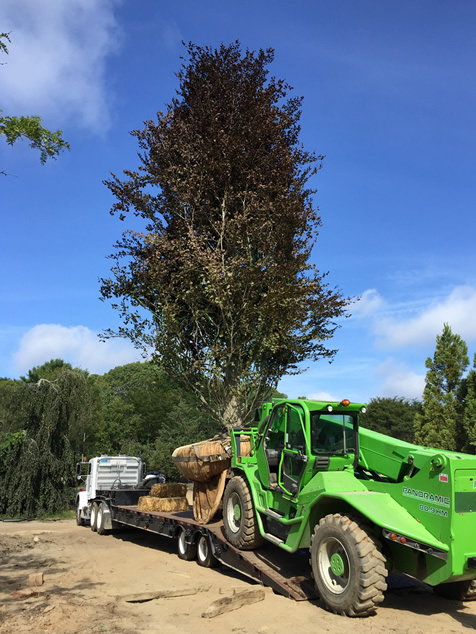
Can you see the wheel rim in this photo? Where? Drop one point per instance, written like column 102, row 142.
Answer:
column 182, row 545
column 93, row 516
column 202, row 548
column 99, row 519
column 334, row 566
column 234, row 512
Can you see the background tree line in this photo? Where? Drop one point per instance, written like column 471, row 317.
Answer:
column 56, row 414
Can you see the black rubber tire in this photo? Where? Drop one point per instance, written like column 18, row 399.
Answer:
column 239, row 517
column 100, row 523
column 457, row 591
column 93, row 521
column 348, row 566
column 186, row 551
column 205, row 557
column 79, row 519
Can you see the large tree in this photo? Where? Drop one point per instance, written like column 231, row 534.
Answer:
column 14, row 128
column 440, row 424
column 219, row 283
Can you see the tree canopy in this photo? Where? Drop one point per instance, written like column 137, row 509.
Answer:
column 440, row 423
column 392, row 416
column 219, row 284
column 14, row 128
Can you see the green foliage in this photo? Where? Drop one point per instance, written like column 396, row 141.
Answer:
column 441, row 422
column 50, row 371
column 392, row 416
column 50, row 144
column 469, row 419
column 142, row 408
column 12, row 408
column 220, row 284
column 38, row 472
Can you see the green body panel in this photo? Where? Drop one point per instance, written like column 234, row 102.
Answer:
column 309, row 459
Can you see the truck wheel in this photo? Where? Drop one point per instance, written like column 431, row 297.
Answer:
column 239, row 517
column 348, row 566
column 205, row 557
column 100, row 522
column 458, row 590
column 79, row 519
column 186, row 551
column 94, row 517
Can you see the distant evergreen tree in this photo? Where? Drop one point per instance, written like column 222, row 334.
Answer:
column 469, row 419
column 441, row 422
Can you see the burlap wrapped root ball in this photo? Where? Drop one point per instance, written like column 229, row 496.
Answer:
column 201, row 461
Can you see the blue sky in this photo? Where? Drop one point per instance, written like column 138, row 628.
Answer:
column 389, row 98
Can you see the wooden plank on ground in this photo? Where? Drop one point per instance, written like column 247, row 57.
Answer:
column 236, row 601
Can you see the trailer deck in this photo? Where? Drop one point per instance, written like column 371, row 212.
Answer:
column 288, row 574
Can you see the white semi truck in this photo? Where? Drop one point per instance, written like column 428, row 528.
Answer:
column 104, row 473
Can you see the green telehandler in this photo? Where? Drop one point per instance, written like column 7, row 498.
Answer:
column 363, row 503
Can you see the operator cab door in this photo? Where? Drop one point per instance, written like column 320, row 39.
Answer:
column 294, row 455
column 284, row 458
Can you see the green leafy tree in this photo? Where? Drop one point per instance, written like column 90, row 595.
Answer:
column 392, row 416
column 440, row 424
column 38, row 466
column 50, row 371
column 12, row 413
column 220, row 283
column 469, row 419
column 13, row 128
column 142, row 408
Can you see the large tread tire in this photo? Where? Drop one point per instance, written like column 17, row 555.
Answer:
column 93, row 521
column 205, row 556
column 457, row 591
column 348, row 566
column 186, row 551
column 239, row 517
column 100, row 522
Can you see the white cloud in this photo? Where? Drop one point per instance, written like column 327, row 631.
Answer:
column 458, row 310
column 369, row 303
column 57, row 58
column 76, row 345
column 397, row 379
column 326, row 397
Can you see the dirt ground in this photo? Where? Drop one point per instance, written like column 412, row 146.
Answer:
column 87, row 578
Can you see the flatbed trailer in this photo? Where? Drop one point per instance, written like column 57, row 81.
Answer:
column 285, row 573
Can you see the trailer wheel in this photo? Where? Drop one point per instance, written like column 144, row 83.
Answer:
column 239, row 517
column 205, row 557
column 100, row 522
column 94, row 517
column 348, row 566
column 458, row 590
column 186, row 551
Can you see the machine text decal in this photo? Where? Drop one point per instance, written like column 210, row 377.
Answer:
column 441, row 500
